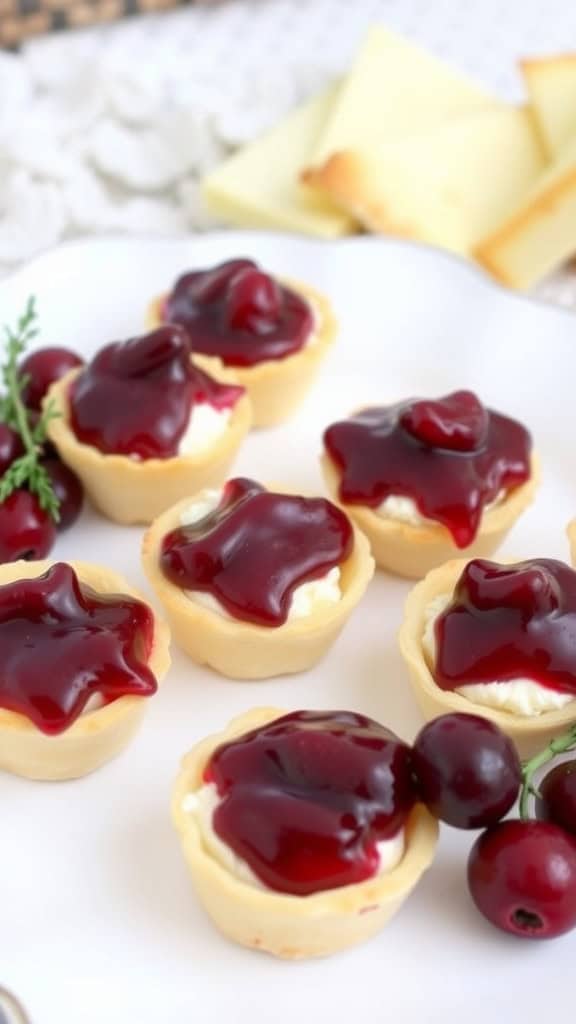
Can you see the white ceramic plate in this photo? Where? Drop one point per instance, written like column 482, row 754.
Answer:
column 99, row 922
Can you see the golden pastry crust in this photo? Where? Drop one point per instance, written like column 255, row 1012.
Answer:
column 352, row 181
column 529, row 734
column 287, row 926
column 132, row 491
column 276, row 387
column 96, row 737
column 241, row 650
column 412, row 551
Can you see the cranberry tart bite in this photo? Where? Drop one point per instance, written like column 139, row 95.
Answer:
column 498, row 640
column 272, row 334
column 142, row 425
column 301, row 830
column 80, row 654
column 256, row 583
column 425, row 479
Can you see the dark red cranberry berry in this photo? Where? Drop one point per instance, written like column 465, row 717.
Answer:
column 467, row 769
column 11, row 447
column 43, row 368
column 522, row 878
column 26, row 530
column 558, row 796
column 68, row 490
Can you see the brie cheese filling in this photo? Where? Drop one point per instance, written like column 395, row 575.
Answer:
column 404, row 510
column 522, row 696
column 306, row 599
column 202, row 804
column 205, row 426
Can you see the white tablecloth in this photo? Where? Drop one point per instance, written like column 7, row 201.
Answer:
column 108, row 130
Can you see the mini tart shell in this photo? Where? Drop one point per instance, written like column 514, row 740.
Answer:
column 242, row 650
column 412, row 551
column 276, row 387
column 96, row 737
column 529, row 735
column 292, row 927
column 130, row 490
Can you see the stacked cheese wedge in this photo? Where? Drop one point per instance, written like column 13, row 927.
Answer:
column 406, row 145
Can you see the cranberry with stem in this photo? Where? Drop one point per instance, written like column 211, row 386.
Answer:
column 42, row 368
column 522, row 878
column 467, row 769
column 26, row 530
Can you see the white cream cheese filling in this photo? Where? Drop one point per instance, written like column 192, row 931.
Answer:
column 202, row 804
column 404, row 510
column 306, row 599
column 205, row 426
column 523, row 696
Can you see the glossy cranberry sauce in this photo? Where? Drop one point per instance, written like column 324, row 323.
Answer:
column 451, row 457
column 306, row 798
column 237, row 312
column 136, row 397
column 509, row 622
column 61, row 643
column 255, row 548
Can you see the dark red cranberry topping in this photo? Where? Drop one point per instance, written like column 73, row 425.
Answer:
column 509, row 622
column 306, row 799
column 43, row 368
column 27, row 531
column 451, row 457
column 136, row 397
column 237, row 312
column 255, row 548
column 522, row 877
column 61, row 643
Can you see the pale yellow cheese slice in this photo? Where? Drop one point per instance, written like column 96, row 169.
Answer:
column 551, row 86
column 259, row 187
column 540, row 234
column 449, row 186
column 394, row 88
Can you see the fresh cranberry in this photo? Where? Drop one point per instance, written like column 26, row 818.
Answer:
column 467, row 769
column 522, row 877
column 458, row 422
column 253, row 301
column 558, row 796
column 68, row 490
column 26, row 530
column 11, row 447
column 43, row 368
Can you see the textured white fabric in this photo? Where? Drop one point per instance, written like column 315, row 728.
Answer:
column 108, row 129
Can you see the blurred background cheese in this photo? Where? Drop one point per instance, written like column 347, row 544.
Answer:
column 551, row 86
column 393, row 89
column 407, row 145
column 259, row 186
column 449, row 186
column 540, row 233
